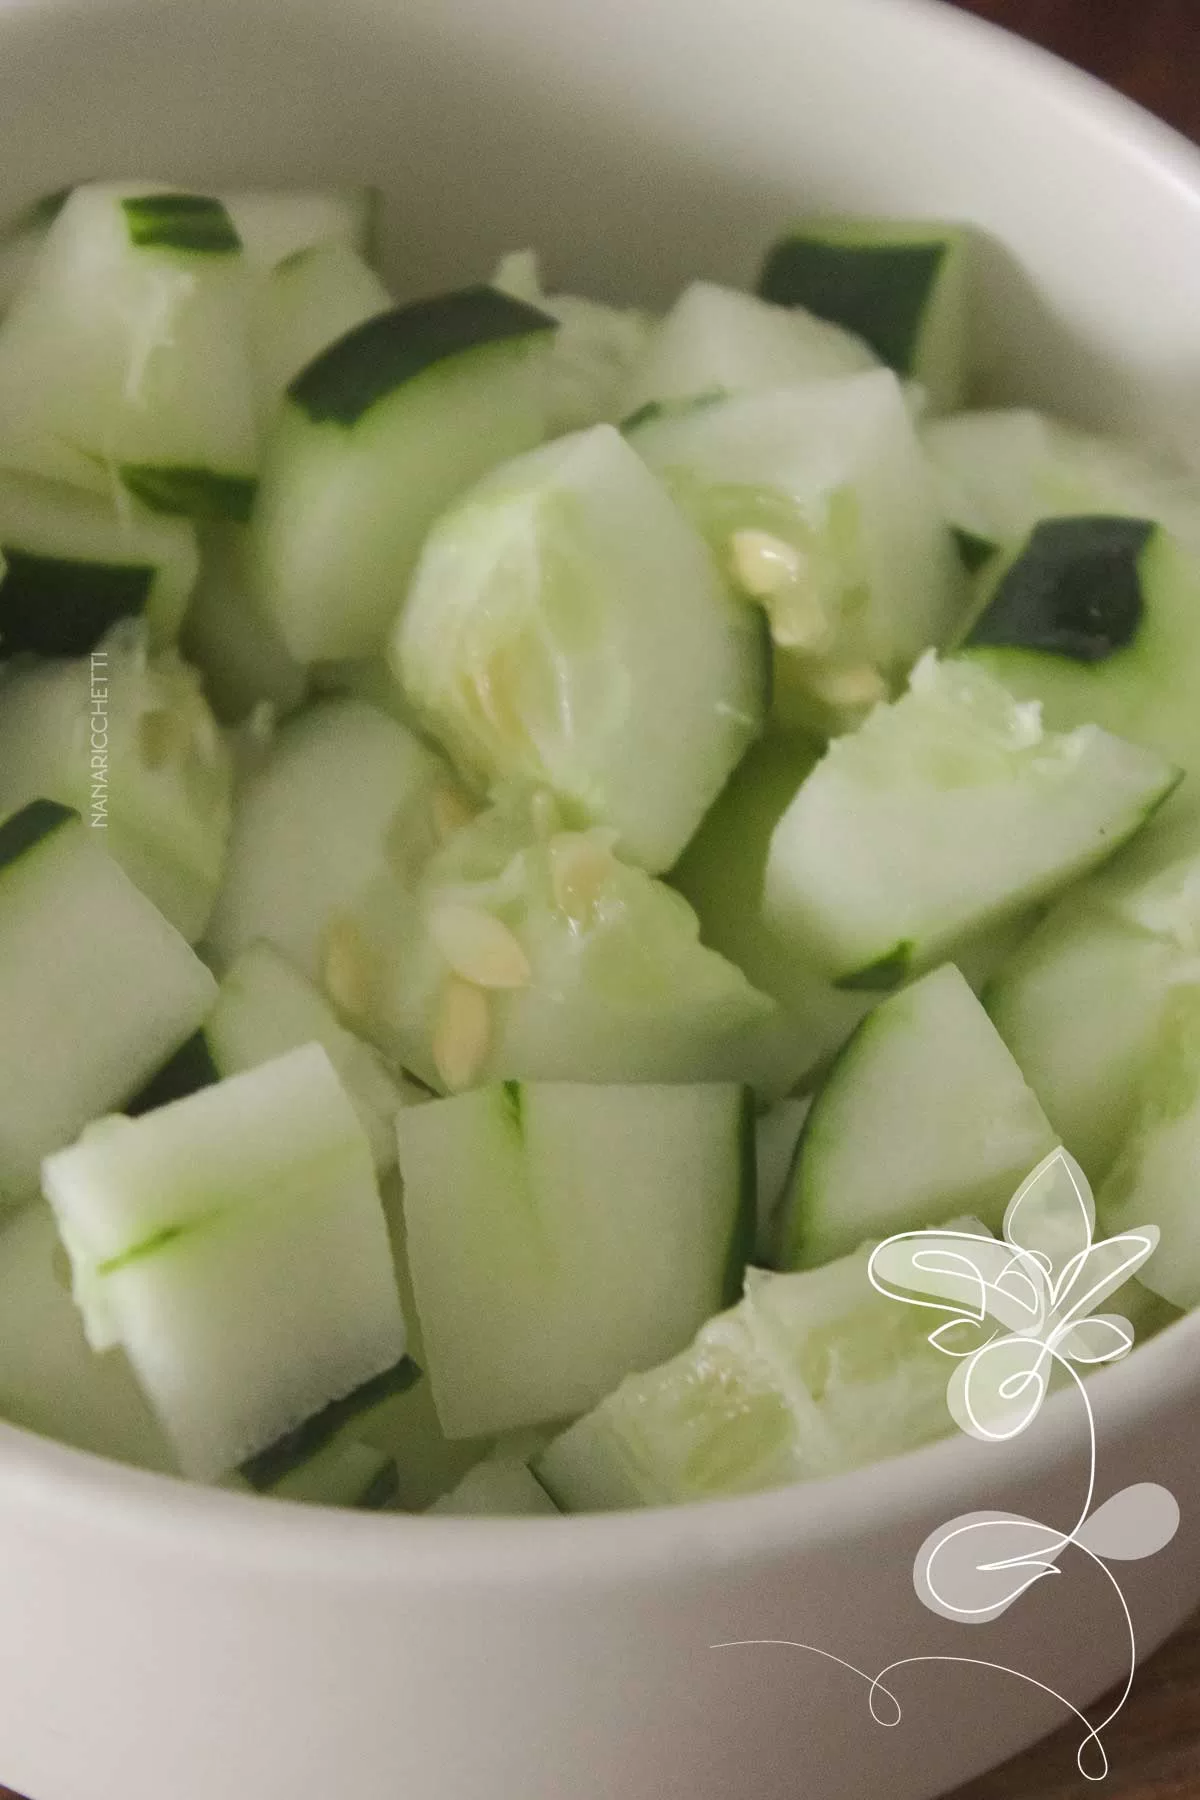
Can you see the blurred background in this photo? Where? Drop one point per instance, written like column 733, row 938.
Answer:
column 1150, row 49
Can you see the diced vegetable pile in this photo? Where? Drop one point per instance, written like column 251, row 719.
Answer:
column 532, row 835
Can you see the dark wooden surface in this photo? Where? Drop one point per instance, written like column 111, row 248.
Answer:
column 1151, row 50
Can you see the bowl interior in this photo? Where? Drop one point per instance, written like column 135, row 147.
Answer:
column 640, row 144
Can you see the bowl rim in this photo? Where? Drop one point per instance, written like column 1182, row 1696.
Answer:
column 245, row 1533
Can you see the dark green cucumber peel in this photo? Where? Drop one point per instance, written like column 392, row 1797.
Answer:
column 384, row 352
column 295, row 1447
column 55, row 606
column 878, row 290
column 745, row 1224
column 32, row 825
column 190, row 1069
column 198, row 493
column 191, row 222
column 887, row 973
column 514, row 1104
column 1075, row 590
column 973, row 550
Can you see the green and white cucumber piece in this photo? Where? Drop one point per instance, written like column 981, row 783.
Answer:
column 1153, row 1181
column 266, row 1007
column 810, row 1374
column 342, row 787
column 900, row 285
column 235, row 1244
column 96, row 988
column 594, row 352
column 75, row 562
column 561, row 1236
column 1082, row 1003
column 125, row 357
column 568, row 629
column 948, row 811
column 721, row 875
column 228, row 634
column 307, row 302
column 128, row 741
column 275, row 223
column 51, row 1382
column 375, row 439
column 529, row 953
column 924, row 1116
column 1096, row 618
column 819, row 503
column 720, row 340
column 1001, row 471
column 497, row 1487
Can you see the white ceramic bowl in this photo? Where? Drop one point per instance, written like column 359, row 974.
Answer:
column 164, row 1643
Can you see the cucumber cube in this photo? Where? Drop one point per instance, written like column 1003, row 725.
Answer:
column 127, row 352
column 901, row 285
column 566, row 627
column 923, row 1117
column 948, row 811
column 96, row 988
column 234, row 1243
column 560, row 1237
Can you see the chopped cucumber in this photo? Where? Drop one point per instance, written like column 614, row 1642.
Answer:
column 376, row 438
column 721, row 875
column 307, row 303
column 811, row 1374
column 131, row 744
column 266, row 1007
column 899, row 285
column 96, row 988
column 923, row 1117
column 275, row 224
column 230, row 638
column 948, row 811
column 76, row 562
column 614, row 1221
column 234, row 1243
column 818, row 501
column 125, row 356
column 1153, row 1181
column 1001, row 472
column 567, row 628
column 1096, row 618
column 498, row 1486
column 594, row 349
column 520, row 956
column 50, row 1381
column 719, row 340
column 1081, row 1004
column 341, row 787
